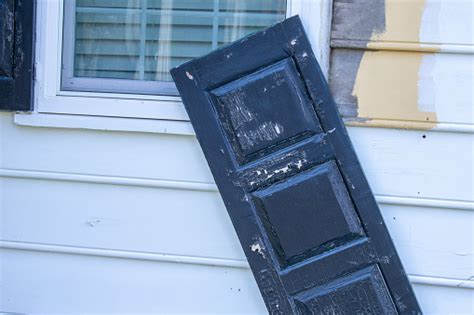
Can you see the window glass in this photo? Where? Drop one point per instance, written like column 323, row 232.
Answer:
column 143, row 39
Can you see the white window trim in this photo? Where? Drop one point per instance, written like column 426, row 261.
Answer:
column 129, row 112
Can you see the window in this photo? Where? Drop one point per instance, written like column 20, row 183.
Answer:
column 95, row 70
column 128, row 46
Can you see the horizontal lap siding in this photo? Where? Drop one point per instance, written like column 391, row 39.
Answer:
column 195, row 224
column 48, row 283
column 134, row 221
column 442, row 22
column 130, row 224
column 397, row 162
column 442, row 95
column 409, row 64
column 153, row 287
column 404, row 63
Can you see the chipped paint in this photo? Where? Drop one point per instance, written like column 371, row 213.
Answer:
column 257, row 248
column 300, row 164
column 275, row 168
column 300, row 170
column 387, row 82
column 239, row 113
column 278, row 128
column 285, row 169
column 266, row 131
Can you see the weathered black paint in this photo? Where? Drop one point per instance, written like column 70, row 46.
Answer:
column 281, row 157
column 16, row 54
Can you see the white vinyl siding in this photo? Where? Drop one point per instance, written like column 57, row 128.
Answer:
column 96, row 221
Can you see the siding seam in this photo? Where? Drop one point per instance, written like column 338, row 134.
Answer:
column 409, row 125
column 195, row 260
column 403, row 46
column 211, row 187
column 184, row 128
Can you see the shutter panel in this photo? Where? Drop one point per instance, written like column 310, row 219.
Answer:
column 16, row 55
column 290, row 179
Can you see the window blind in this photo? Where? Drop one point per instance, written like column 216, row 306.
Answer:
column 143, row 39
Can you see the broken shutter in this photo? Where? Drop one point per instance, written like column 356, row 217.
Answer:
column 16, row 54
column 290, row 179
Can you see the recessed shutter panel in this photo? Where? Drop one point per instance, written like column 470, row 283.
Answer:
column 16, row 54
column 290, row 179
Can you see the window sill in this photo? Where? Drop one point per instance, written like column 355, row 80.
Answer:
column 173, row 127
column 184, row 128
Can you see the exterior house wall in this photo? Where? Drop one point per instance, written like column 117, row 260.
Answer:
column 109, row 221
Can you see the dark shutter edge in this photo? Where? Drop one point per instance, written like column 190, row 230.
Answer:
column 23, row 58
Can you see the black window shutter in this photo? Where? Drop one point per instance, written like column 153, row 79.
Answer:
column 17, row 28
column 290, row 179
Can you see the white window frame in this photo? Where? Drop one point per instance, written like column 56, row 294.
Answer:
column 51, row 101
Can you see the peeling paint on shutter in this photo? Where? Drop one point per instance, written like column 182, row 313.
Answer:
column 290, row 179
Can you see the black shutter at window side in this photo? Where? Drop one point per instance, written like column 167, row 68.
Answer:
column 16, row 54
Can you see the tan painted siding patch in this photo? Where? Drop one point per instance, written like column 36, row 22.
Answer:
column 387, row 82
column 378, row 72
column 386, row 87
